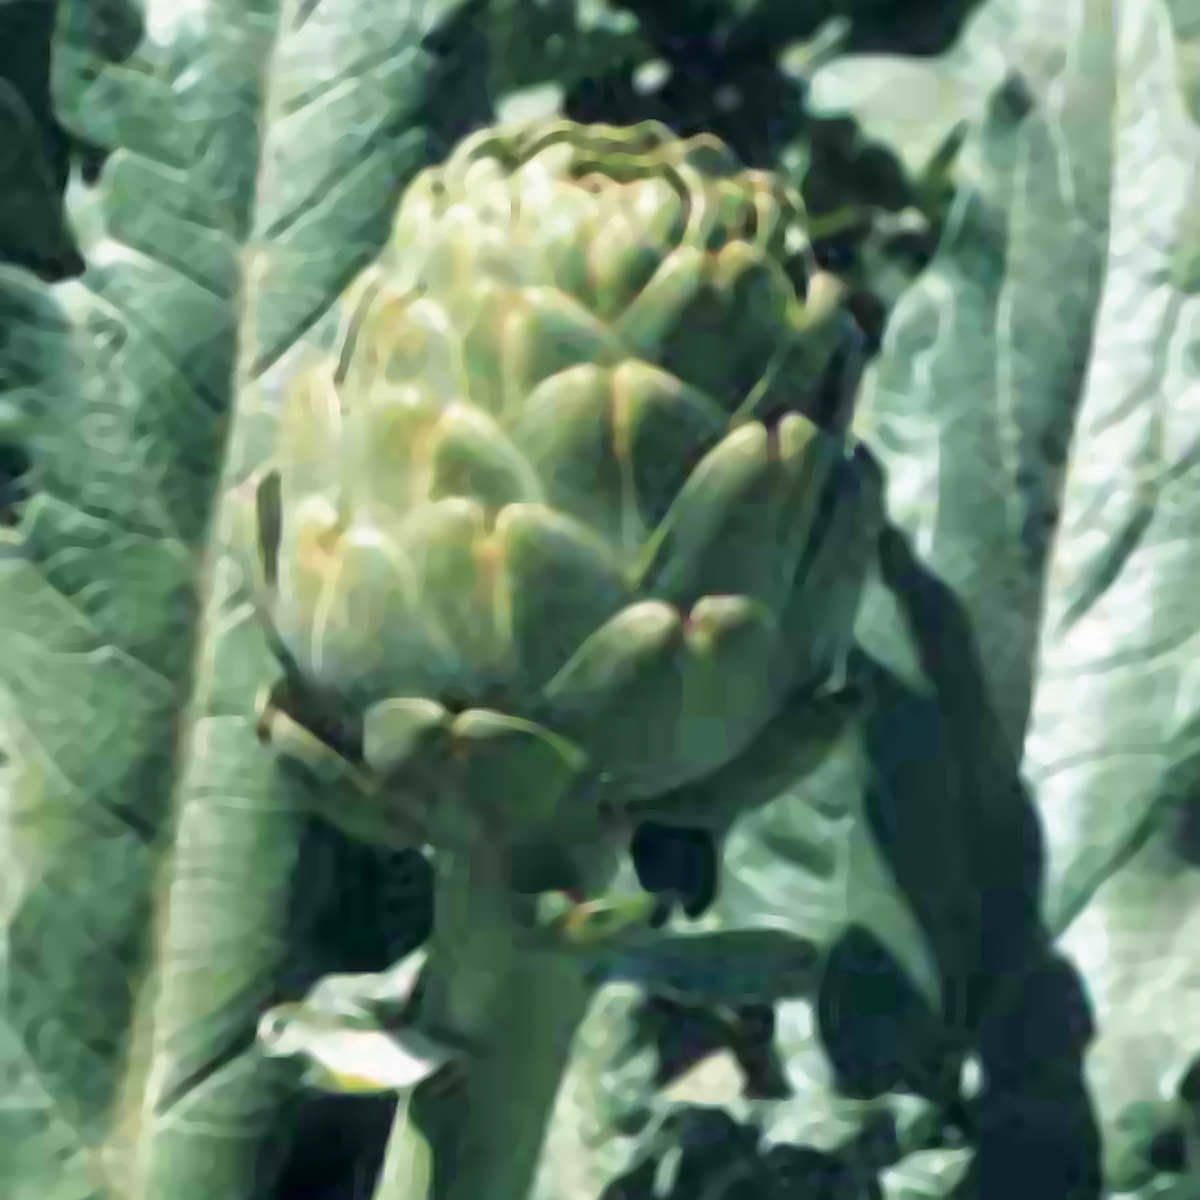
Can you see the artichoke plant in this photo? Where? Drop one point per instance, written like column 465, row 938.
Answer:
column 569, row 509
column 561, row 522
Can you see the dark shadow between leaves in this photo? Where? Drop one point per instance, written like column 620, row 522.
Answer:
column 337, row 1148
column 951, row 814
column 974, row 805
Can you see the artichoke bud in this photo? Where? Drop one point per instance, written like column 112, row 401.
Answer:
column 563, row 469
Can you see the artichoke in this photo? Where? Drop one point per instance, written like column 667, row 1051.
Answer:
column 557, row 512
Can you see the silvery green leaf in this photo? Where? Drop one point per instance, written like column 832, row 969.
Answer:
column 345, row 1054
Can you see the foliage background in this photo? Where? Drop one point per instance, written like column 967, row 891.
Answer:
column 1013, row 188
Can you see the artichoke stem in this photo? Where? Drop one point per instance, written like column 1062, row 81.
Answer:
column 521, row 1004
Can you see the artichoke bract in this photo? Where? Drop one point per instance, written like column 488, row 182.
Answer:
column 558, row 507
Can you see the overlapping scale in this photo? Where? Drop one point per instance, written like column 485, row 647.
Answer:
column 388, row 464
column 637, row 229
column 660, row 700
column 306, row 564
column 454, row 561
column 742, row 518
column 560, row 582
column 556, row 505
column 309, row 439
column 546, row 332
column 470, row 455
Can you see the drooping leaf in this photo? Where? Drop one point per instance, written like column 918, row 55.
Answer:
column 1033, row 409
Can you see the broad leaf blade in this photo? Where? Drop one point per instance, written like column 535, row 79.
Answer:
column 134, row 978
column 1033, row 407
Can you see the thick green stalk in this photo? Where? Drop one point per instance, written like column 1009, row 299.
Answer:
column 521, row 1006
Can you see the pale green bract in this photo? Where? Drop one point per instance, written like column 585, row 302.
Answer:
column 558, row 510
column 349, row 1034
